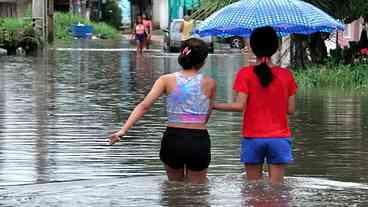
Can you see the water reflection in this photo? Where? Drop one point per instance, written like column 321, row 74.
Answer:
column 263, row 195
column 56, row 112
column 155, row 191
column 329, row 125
column 181, row 194
column 40, row 111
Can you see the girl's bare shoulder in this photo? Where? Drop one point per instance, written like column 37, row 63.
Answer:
column 167, row 77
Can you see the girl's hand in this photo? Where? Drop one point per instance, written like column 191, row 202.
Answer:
column 116, row 137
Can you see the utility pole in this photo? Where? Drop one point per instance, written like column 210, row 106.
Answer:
column 71, row 10
column 38, row 17
column 42, row 17
column 83, row 9
column 50, row 20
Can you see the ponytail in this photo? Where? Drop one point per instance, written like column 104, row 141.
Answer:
column 264, row 43
column 264, row 74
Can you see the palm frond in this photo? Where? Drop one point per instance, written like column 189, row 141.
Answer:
column 208, row 7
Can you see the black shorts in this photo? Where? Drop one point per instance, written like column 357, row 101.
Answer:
column 189, row 147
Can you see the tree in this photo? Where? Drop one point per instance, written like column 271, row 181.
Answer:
column 111, row 13
column 344, row 10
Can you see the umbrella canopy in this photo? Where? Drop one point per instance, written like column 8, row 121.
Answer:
column 285, row 16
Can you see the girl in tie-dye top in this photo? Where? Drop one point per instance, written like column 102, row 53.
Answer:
column 188, row 103
column 185, row 146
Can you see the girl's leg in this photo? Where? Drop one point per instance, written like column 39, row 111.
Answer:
column 148, row 41
column 141, row 45
column 254, row 172
column 276, row 173
column 137, row 46
column 197, row 177
column 175, row 174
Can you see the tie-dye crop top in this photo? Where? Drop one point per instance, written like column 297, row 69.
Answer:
column 187, row 103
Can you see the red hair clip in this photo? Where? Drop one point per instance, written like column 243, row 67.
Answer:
column 186, row 51
column 265, row 59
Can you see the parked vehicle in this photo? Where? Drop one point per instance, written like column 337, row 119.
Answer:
column 233, row 41
column 172, row 39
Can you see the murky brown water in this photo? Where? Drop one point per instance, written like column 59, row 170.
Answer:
column 57, row 111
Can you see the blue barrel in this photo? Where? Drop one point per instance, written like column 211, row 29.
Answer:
column 82, row 31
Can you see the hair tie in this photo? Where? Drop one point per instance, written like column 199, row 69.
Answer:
column 186, row 51
column 265, row 60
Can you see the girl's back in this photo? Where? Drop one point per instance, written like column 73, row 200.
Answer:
column 266, row 109
column 188, row 98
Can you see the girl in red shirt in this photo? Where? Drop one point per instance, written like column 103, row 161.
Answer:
column 266, row 95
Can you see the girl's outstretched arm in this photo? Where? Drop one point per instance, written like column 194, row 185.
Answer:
column 239, row 104
column 157, row 90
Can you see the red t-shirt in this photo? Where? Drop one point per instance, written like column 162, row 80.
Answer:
column 266, row 109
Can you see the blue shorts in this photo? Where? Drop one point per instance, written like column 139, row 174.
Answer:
column 274, row 150
column 140, row 37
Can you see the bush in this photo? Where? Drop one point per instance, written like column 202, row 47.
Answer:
column 333, row 76
column 18, row 32
column 347, row 55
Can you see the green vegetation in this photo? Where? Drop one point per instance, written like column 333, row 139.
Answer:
column 112, row 14
column 333, row 76
column 63, row 21
column 345, row 10
column 18, row 32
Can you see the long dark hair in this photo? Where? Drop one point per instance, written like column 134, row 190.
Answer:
column 264, row 43
column 193, row 54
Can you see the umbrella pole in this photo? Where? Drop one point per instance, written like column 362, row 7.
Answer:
column 337, row 40
column 248, row 54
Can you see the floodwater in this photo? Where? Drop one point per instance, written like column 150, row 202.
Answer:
column 57, row 109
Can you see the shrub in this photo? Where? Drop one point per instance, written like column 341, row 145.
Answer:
column 333, row 76
column 18, row 32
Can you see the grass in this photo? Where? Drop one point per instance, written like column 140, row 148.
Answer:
column 63, row 21
column 14, row 24
column 16, row 32
column 333, row 76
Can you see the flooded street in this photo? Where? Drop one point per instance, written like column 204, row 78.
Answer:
column 57, row 110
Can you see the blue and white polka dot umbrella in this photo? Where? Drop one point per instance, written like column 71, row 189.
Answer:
column 285, row 16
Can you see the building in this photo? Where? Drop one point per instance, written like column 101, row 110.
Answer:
column 163, row 11
column 90, row 9
column 126, row 13
column 14, row 8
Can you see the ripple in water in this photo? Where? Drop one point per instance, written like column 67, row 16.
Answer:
column 156, row 191
column 56, row 112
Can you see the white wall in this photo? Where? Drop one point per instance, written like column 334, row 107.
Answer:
column 156, row 13
column 126, row 12
column 163, row 13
